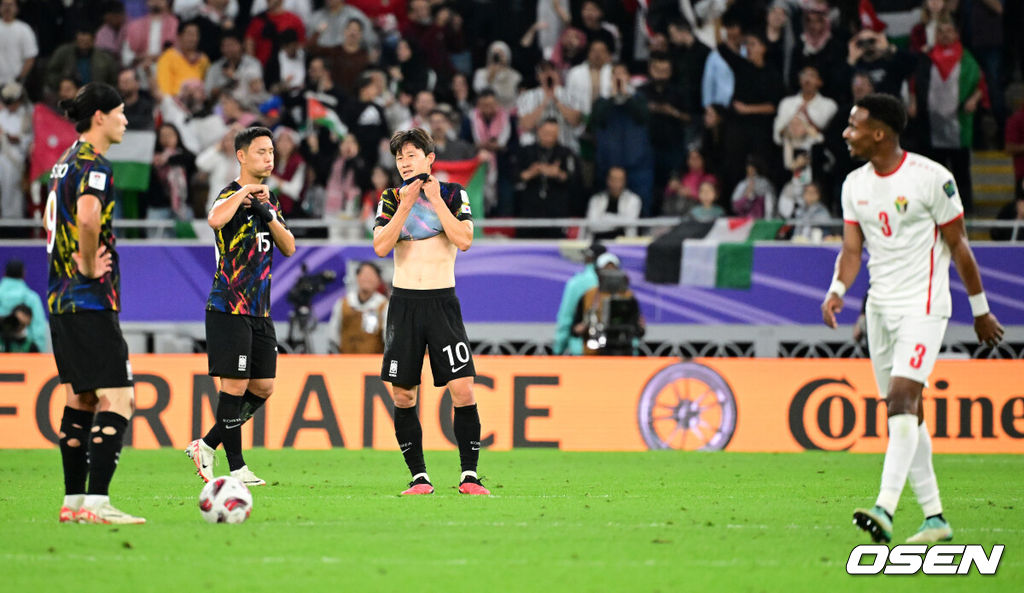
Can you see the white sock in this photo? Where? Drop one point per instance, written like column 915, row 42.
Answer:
column 903, row 437
column 468, row 473
column 922, row 474
column 95, row 500
column 73, row 501
column 421, row 475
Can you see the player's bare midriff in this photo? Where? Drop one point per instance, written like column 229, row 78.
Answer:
column 425, row 264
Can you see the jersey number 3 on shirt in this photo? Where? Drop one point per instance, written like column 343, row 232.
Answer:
column 884, row 218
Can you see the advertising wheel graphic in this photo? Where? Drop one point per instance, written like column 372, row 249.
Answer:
column 687, row 406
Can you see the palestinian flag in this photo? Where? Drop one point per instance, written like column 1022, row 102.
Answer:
column 971, row 78
column 132, row 159
column 321, row 115
column 53, row 135
column 470, row 174
column 725, row 256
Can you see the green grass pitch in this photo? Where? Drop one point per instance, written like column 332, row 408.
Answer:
column 625, row 522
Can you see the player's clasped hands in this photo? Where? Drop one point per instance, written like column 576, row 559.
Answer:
column 259, row 191
column 102, row 263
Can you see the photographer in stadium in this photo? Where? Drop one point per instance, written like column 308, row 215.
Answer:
column 608, row 316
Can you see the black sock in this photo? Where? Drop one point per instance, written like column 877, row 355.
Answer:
column 75, row 426
column 410, row 438
column 212, row 438
column 467, row 435
column 105, row 450
column 251, row 403
column 229, row 423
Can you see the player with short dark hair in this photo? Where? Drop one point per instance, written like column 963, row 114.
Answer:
column 241, row 343
column 84, row 299
column 427, row 222
column 906, row 210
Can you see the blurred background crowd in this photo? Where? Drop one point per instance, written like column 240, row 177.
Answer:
column 607, row 109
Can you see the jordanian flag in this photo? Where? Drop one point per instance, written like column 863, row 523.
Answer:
column 53, row 135
column 321, row 115
column 470, row 174
column 725, row 256
column 132, row 159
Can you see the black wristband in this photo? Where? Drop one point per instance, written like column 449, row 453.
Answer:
column 262, row 210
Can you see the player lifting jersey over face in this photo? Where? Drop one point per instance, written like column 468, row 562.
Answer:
column 84, row 299
column 240, row 337
column 427, row 222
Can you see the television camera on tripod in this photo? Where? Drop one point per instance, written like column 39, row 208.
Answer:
column 301, row 321
column 609, row 315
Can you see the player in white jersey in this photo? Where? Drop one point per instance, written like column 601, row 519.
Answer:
column 906, row 210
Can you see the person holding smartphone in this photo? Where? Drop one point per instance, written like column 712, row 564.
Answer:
column 550, row 100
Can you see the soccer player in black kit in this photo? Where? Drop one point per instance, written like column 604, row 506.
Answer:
column 240, row 337
column 84, row 298
column 427, row 222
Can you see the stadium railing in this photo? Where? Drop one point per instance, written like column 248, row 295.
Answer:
column 339, row 228
column 661, row 339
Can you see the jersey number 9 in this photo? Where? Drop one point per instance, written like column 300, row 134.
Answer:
column 50, row 220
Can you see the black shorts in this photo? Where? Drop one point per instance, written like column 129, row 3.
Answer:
column 241, row 346
column 90, row 350
column 428, row 320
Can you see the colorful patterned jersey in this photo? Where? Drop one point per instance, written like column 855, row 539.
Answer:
column 423, row 222
column 245, row 250
column 79, row 171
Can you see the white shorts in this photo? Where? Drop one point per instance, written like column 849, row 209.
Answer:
column 903, row 346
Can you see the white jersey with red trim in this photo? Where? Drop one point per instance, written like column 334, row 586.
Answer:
column 900, row 214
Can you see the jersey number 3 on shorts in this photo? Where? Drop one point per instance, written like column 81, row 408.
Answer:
column 915, row 361
column 461, row 352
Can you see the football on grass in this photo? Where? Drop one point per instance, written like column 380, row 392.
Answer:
column 225, row 500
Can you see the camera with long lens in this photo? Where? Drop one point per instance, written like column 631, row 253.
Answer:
column 14, row 331
column 309, row 285
column 301, row 322
column 615, row 322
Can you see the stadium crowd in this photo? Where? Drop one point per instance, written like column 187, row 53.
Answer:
column 613, row 109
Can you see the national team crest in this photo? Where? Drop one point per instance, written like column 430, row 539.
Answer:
column 901, row 204
column 950, row 188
